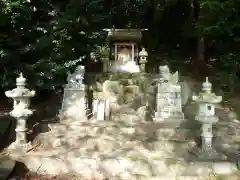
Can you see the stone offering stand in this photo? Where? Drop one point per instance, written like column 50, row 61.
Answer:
column 126, row 136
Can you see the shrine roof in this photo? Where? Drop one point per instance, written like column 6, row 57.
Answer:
column 124, row 34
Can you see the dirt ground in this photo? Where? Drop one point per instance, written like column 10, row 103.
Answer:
column 21, row 172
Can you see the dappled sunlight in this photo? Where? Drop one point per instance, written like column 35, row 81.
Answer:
column 128, row 143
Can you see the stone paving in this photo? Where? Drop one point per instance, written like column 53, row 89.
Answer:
column 117, row 148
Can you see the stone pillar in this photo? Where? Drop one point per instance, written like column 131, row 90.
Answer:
column 102, row 110
column 207, row 136
column 132, row 52
column 101, row 107
column 21, row 112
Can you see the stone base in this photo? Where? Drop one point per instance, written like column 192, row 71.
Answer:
column 174, row 117
column 208, row 154
column 75, row 116
column 16, row 146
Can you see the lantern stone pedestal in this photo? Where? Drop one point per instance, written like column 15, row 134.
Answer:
column 21, row 97
column 206, row 116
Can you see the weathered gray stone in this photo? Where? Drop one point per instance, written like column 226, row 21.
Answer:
column 128, row 130
column 159, row 167
column 169, row 103
column 126, row 146
column 142, row 168
column 112, row 167
column 83, row 165
column 206, row 116
column 226, row 168
column 21, row 102
column 46, row 165
column 198, row 169
column 74, row 102
column 58, row 142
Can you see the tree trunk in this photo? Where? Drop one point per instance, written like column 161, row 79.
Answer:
column 200, row 64
column 199, row 60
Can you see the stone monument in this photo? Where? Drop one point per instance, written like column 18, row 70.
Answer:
column 206, row 101
column 21, row 96
column 124, row 49
column 169, row 106
column 74, row 101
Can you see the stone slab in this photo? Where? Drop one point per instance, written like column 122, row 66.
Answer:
column 207, row 155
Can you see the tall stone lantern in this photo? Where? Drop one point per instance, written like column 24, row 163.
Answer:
column 143, row 55
column 21, row 101
column 206, row 101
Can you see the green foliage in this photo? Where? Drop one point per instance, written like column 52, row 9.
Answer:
column 102, row 53
column 43, row 38
column 47, row 39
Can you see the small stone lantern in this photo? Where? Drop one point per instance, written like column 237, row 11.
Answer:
column 143, row 55
column 21, row 97
column 206, row 102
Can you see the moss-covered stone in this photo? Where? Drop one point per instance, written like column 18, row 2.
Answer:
column 124, row 89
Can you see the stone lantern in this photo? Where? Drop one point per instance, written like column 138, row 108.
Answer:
column 21, row 101
column 143, row 55
column 206, row 102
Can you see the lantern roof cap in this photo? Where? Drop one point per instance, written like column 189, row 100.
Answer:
column 143, row 53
